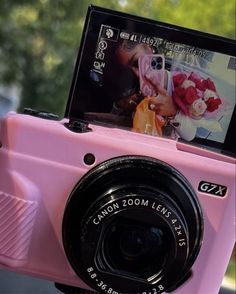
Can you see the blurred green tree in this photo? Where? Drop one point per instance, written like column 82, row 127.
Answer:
column 214, row 16
column 39, row 39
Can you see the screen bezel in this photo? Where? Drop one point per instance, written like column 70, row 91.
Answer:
column 96, row 16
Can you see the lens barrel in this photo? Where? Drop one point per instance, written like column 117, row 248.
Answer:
column 132, row 224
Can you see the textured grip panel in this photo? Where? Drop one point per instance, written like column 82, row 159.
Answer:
column 16, row 223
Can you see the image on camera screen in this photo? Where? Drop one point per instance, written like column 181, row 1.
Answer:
column 194, row 103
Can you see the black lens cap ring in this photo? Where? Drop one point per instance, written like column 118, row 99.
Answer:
column 136, row 194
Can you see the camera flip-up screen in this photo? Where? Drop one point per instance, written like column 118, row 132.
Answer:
column 155, row 78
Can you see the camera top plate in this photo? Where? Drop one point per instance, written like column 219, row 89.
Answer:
column 105, row 90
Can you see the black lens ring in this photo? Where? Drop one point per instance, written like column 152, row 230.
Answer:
column 172, row 181
column 89, row 249
column 172, row 270
column 105, row 175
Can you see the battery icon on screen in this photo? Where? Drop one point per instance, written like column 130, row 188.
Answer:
column 124, row 35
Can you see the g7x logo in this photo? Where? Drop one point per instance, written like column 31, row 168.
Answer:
column 211, row 188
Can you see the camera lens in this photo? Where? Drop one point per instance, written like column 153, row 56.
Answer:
column 134, row 248
column 159, row 66
column 156, row 63
column 153, row 63
column 132, row 224
column 159, row 60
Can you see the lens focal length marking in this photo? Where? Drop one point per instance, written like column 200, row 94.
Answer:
column 107, row 289
column 103, row 286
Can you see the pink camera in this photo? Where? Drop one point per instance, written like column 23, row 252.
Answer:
column 89, row 204
column 112, row 211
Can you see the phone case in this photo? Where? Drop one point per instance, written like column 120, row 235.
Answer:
column 151, row 67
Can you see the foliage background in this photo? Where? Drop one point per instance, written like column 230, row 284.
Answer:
column 39, row 40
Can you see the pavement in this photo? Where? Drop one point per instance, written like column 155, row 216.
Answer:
column 12, row 283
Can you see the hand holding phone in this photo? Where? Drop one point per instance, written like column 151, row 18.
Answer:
column 151, row 72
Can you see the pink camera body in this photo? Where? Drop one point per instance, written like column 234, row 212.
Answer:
column 41, row 163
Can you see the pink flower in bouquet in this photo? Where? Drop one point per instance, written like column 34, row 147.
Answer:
column 213, row 104
column 197, row 108
column 197, row 79
column 179, row 79
column 190, row 95
column 201, row 83
column 208, row 84
column 188, row 83
column 209, row 94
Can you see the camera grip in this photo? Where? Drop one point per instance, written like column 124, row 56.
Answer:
column 17, row 218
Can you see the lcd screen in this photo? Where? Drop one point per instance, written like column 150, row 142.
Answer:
column 154, row 78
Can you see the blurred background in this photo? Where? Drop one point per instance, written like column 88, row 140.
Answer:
column 39, row 41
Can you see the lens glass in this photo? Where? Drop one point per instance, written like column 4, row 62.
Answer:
column 135, row 248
